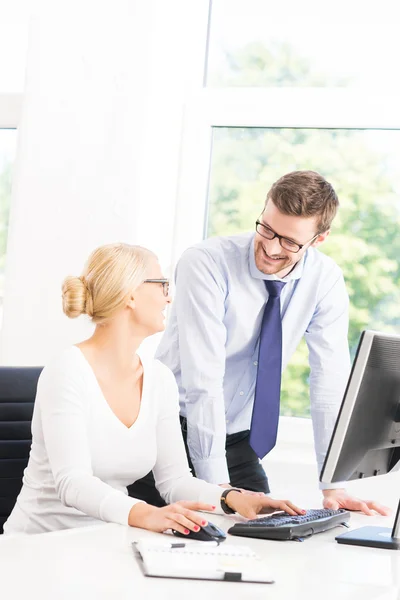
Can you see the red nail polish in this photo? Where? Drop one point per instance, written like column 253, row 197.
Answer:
column 186, row 531
column 213, row 507
column 204, row 522
column 196, row 528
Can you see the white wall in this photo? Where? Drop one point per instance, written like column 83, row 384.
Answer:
column 98, row 152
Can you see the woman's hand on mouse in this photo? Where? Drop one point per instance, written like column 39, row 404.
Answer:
column 179, row 516
column 251, row 506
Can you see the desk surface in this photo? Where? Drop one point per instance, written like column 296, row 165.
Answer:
column 98, row 562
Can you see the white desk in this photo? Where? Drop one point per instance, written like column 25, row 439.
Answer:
column 98, row 563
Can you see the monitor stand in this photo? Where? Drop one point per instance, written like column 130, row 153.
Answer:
column 375, row 537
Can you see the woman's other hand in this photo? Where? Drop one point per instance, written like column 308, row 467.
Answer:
column 250, row 506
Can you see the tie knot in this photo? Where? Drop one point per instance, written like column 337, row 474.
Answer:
column 274, row 287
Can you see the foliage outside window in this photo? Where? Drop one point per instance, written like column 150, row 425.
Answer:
column 7, row 153
column 363, row 166
column 261, row 43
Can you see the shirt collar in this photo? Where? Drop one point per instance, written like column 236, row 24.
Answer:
column 296, row 273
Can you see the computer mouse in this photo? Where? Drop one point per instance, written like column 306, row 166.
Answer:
column 208, row 533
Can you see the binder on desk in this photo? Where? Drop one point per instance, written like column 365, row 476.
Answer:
column 201, row 560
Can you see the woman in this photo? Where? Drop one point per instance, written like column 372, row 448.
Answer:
column 104, row 418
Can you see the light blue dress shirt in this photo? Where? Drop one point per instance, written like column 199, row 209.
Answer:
column 212, row 338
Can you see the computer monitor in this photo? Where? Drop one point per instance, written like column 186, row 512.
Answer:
column 366, row 438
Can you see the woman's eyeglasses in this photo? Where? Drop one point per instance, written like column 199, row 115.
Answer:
column 164, row 282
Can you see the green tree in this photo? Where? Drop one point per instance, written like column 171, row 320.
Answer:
column 279, row 64
column 364, row 240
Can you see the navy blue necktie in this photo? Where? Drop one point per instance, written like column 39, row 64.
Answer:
column 264, row 420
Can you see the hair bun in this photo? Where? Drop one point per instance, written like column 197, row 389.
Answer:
column 76, row 297
column 110, row 274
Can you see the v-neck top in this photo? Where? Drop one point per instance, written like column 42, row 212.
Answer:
column 83, row 457
column 103, row 400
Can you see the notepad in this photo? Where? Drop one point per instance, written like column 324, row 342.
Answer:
column 201, row 561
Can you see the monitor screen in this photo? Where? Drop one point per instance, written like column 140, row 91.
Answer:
column 366, row 438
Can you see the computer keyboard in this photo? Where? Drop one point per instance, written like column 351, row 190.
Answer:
column 285, row 527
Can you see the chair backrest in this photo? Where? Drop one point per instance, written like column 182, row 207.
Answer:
column 17, row 396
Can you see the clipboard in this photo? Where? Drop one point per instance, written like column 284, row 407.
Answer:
column 201, row 560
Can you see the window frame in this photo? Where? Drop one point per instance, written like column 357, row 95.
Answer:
column 10, row 110
column 10, row 115
column 301, row 108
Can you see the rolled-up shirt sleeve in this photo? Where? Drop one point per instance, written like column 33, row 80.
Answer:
column 329, row 357
column 200, row 308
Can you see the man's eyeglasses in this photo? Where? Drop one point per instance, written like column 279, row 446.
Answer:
column 164, row 282
column 286, row 243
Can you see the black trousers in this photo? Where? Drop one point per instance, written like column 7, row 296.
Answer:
column 245, row 470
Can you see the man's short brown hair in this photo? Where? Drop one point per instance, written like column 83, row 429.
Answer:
column 305, row 194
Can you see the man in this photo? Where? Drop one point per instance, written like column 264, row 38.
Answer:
column 242, row 304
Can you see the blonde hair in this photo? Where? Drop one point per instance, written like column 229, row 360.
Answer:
column 111, row 273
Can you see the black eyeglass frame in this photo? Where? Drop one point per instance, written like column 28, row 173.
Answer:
column 282, row 237
column 165, row 284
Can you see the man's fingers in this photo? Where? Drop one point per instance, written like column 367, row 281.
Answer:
column 343, row 500
column 364, row 508
column 379, row 508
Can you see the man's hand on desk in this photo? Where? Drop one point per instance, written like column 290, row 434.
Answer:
column 339, row 498
column 248, row 492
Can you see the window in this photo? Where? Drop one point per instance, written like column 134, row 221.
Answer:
column 309, row 43
column 289, row 87
column 363, row 166
column 13, row 48
column 8, row 139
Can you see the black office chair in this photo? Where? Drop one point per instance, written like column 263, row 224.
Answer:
column 17, row 397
